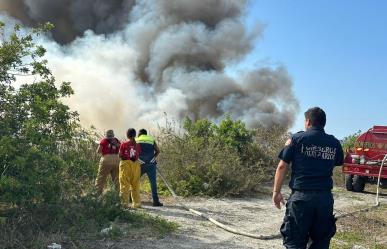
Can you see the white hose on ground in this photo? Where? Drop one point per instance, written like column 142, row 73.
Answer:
column 227, row 228
column 378, row 185
column 377, row 203
column 273, row 236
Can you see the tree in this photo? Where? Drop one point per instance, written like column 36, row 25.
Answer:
column 349, row 141
column 36, row 128
column 233, row 133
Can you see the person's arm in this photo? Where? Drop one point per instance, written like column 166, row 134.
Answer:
column 286, row 157
column 121, row 150
column 157, row 150
column 99, row 149
column 280, row 174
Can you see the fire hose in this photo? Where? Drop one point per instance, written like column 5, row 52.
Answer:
column 256, row 236
column 217, row 223
column 378, row 184
column 377, row 203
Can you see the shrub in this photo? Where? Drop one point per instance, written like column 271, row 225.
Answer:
column 36, row 128
column 219, row 160
column 47, row 161
column 348, row 144
column 75, row 223
column 349, row 141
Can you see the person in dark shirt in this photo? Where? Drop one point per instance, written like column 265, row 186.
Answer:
column 108, row 164
column 309, row 221
column 149, row 153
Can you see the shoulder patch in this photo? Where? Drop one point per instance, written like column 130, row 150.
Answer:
column 288, row 142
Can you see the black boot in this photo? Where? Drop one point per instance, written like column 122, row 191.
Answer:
column 157, row 204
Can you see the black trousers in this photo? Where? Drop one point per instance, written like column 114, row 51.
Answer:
column 309, row 221
column 150, row 170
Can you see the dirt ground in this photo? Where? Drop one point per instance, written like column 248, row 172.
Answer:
column 254, row 215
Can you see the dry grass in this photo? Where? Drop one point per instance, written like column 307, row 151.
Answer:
column 367, row 229
column 76, row 224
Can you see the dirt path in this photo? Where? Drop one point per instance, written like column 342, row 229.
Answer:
column 254, row 215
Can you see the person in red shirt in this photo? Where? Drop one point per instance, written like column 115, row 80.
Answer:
column 130, row 170
column 108, row 164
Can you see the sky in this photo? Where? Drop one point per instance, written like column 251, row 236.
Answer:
column 335, row 52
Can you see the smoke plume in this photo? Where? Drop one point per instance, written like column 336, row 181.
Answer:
column 132, row 61
column 72, row 17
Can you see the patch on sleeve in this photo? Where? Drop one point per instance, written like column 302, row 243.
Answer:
column 288, row 142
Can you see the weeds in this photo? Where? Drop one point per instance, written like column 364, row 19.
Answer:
column 362, row 229
column 74, row 222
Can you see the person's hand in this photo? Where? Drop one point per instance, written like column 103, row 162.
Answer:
column 278, row 199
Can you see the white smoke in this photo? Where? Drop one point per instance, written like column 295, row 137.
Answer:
column 170, row 57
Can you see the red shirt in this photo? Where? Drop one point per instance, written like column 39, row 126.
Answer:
column 110, row 147
column 130, row 150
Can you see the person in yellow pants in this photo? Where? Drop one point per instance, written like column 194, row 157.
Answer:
column 130, row 170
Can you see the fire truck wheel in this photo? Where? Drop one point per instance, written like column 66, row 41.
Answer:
column 358, row 183
column 349, row 182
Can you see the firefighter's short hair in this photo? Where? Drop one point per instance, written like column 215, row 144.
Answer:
column 142, row 132
column 131, row 133
column 317, row 116
column 109, row 134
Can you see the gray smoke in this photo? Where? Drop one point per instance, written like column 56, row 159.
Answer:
column 72, row 17
column 133, row 61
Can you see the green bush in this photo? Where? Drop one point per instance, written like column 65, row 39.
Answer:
column 45, row 156
column 348, row 144
column 75, row 218
column 219, row 160
column 349, row 141
column 47, row 161
column 76, row 223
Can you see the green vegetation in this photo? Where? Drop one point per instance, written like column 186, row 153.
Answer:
column 219, row 160
column 155, row 226
column 349, row 237
column 36, row 128
column 365, row 229
column 47, row 161
column 75, row 223
column 349, row 141
column 145, row 187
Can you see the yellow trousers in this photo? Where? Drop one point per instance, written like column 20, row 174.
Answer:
column 129, row 175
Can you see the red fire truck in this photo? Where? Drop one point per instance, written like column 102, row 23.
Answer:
column 362, row 165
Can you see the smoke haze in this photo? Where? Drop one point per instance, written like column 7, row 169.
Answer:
column 132, row 61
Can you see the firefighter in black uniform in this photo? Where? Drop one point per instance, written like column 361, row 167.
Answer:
column 309, row 221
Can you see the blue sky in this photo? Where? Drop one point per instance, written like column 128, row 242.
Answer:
column 336, row 53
